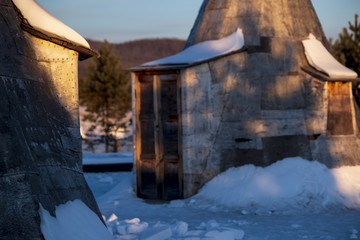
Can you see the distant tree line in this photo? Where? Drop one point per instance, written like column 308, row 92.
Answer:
column 347, row 47
column 346, row 50
column 134, row 53
column 104, row 82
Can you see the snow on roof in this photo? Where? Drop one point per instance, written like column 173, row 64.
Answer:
column 204, row 50
column 319, row 57
column 42, row 20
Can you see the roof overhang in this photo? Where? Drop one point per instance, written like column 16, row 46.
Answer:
column 323, row 77
column 84, row 53
column 165, row 67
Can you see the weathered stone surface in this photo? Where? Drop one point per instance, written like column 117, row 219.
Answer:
column 336, row 151
column 282, row 93
column 40, row 144
column 278, row 148
column 238, row 157
column 258, row 106
column 192, row 183
column 293, row 19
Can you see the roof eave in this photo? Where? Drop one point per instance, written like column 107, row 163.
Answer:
column 164, row 67
column 324, row 77
column 84, row 52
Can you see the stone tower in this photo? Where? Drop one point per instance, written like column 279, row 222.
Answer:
column 255, row 105
column 40, row 143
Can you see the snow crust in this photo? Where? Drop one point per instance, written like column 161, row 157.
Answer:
column 107, row 158
column 45, row 22
column 319, row 57
column 74, row 221
column 204, row 50
column 293, row 183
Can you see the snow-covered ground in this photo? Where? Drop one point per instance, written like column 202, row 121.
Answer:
column 292, row 199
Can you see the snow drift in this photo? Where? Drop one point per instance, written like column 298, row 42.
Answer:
column 74, row 221
column 292, row 183
column 322, row 60
column 204, row 50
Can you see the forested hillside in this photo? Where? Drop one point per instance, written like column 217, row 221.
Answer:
column 136, row 52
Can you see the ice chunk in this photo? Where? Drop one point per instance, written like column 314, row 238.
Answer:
column 180, row 228
column 112, row 218
column 319, row 57
column 157, row 233
column 204, row 50
column 238, row 234
column 121, row 228
column 217, row 235
column 137, row 228
column 45, row 22
column 212, row 224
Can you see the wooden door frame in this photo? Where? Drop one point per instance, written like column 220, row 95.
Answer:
column 159, row 151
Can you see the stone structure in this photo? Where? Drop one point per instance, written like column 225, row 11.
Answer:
column 40, row 144
column 254, row 106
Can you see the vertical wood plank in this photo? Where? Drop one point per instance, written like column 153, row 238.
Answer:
column 340, row 117
column 158, row 135
column 146, row 141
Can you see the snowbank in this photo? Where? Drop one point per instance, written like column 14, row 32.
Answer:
column 205, row 50
column 74, row 221
column 107, row 158
column 298, row 185
column 43, row 21
column 292, row 183
column 322, row 60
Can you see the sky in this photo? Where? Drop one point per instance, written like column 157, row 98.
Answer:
column 126, row 20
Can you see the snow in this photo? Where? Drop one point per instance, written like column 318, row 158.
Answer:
column 291, row 199
column 73, row 221
column 45, row 22
column 204, row 50
column 292, row 183
column 319, row 57
column 107, row 158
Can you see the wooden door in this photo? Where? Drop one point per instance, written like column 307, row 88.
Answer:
column 158, row 154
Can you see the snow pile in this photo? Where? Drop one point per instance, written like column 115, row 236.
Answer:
column 43, row 21
column 322, row 60
column 135, row 229
column 74, row 221
column 204, row 50
column 293, row 183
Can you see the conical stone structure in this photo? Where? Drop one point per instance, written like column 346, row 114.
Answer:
column 271, row 97
column 278, row 20
column 258, row 105
column 40, row 143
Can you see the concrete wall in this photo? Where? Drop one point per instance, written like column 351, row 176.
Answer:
column 40, row 144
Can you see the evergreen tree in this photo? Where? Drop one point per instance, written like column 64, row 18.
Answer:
column 105, row 93
column 347, row 48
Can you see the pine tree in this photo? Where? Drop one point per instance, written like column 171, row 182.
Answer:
column 106, row 93
column 347, row 48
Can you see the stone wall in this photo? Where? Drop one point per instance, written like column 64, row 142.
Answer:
column 235, row 112
column 258, row 106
